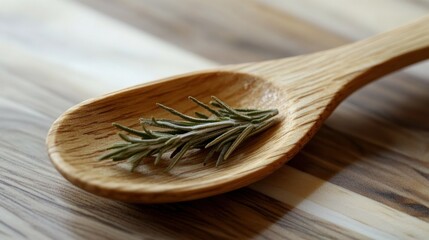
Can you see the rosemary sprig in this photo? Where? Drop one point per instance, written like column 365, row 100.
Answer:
column 222, row 132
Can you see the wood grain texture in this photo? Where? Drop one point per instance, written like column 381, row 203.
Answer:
column 379, row 129
column 258, row 32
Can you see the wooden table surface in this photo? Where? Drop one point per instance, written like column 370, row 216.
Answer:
column 364, row 175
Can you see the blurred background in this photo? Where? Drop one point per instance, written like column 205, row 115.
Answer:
column 365, row 172
column 123, row 41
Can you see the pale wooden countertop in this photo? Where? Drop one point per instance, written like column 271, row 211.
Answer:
column 364, row 175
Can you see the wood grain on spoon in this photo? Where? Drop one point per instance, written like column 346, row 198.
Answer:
column 305, row 89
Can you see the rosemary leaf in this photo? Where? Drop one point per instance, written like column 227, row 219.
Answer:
column 176, row 159
column 159, row 155
column 130, row 130
column 118, row 145
column 137, row 158
column 177, row 150
column 183, row 116
column 229, row 109
column 222, row 154
column 209, row 155
column 239, row 139
column 205, row 106
column 201, row 115
column 224, row 136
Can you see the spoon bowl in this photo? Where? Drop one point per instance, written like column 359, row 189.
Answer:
column 82, row 133
column 305, row 90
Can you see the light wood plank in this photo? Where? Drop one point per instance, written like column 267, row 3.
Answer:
column 68, row 35
column 340, row 206
column 226, row 31
column 354, row 20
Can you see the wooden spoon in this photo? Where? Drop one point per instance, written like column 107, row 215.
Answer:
column 305, row 89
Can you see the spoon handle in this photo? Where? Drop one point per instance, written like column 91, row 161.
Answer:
column 345, row 69
column 384, row 53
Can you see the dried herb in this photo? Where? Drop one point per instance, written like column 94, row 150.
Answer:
column 222, row 133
